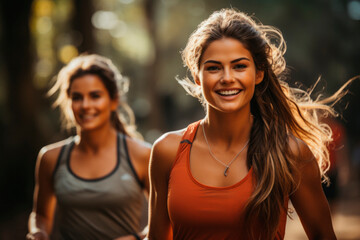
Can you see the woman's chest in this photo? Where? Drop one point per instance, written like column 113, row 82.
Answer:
column 194, row 204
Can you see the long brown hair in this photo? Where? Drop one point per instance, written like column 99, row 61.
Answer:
column 279, row 111
column 117, row 86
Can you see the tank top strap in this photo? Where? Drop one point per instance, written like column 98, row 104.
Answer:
column 190, row 132
column 64, row 153
column 124, row 157
column 186, row 141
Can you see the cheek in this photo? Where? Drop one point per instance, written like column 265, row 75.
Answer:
column 75, row 106
column 209, row 79
column 105, row 104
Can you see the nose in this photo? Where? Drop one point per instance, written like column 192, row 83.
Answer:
column 85, row 103
column 227, row 76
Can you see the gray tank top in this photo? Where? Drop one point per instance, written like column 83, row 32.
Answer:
column 103, row 208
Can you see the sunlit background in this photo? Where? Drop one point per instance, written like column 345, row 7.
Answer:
column 144, row 39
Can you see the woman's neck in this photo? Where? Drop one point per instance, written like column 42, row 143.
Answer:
column 228, row 129
column 96, row 139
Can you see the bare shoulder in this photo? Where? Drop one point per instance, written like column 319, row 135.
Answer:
column 49, row 154
column 168, row 143
column 138, row 148
column 164, row 152
column 306, row 162
column 300, row 150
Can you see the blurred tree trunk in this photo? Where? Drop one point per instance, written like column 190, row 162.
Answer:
column 81, row 22
column 20, row 138
column 20, row 135
column 156, row 118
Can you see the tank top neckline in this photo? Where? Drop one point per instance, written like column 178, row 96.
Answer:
column 67, row 159
column 187, row 159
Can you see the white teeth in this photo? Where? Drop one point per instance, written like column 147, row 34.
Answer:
column 228, row 92
column 87, row 117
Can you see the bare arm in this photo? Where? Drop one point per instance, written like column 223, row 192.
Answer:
column 309, row 199
column 41, row 217
column 162, row 157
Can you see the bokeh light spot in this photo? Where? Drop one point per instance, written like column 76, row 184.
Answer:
column 354, row 10
column 120, row 30
column 43, row 8
column 44, row 25
column 67, row 52
column 126, row 1
column 44, row 68
column 104, row 20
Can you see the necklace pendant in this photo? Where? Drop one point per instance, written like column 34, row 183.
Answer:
column 225, row 172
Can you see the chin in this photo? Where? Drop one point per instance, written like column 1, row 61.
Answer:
column 229, row 109
column 88, row 127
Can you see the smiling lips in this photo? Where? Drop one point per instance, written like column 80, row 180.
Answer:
column 228, row 92
column 87, row 117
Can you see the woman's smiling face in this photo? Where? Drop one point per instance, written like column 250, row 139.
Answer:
column 91, row 102
column 228, row 75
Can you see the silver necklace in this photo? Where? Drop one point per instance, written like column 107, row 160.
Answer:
column 227, row 166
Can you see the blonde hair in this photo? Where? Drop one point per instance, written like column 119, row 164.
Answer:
column 279, row 111
column 117, row 86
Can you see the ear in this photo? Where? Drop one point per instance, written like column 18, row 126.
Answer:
column 259, row 77
column 197, row 80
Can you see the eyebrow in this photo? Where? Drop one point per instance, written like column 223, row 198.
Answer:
column 97, row 91
column 233, row 61
column 92, row 92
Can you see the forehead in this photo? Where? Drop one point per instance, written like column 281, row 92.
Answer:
column 225, row 49
column 88, row 82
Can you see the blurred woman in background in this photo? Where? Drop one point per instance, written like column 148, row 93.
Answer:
column 261, row 144
column 95, row 180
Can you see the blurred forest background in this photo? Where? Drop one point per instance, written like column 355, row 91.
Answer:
column 144, row 38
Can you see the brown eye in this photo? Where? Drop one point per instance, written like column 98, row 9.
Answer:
column 239, row 66
column 95, row 95
column 76, row 97
column 212, row 68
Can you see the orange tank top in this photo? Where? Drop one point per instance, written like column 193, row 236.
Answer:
column 198, row 211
